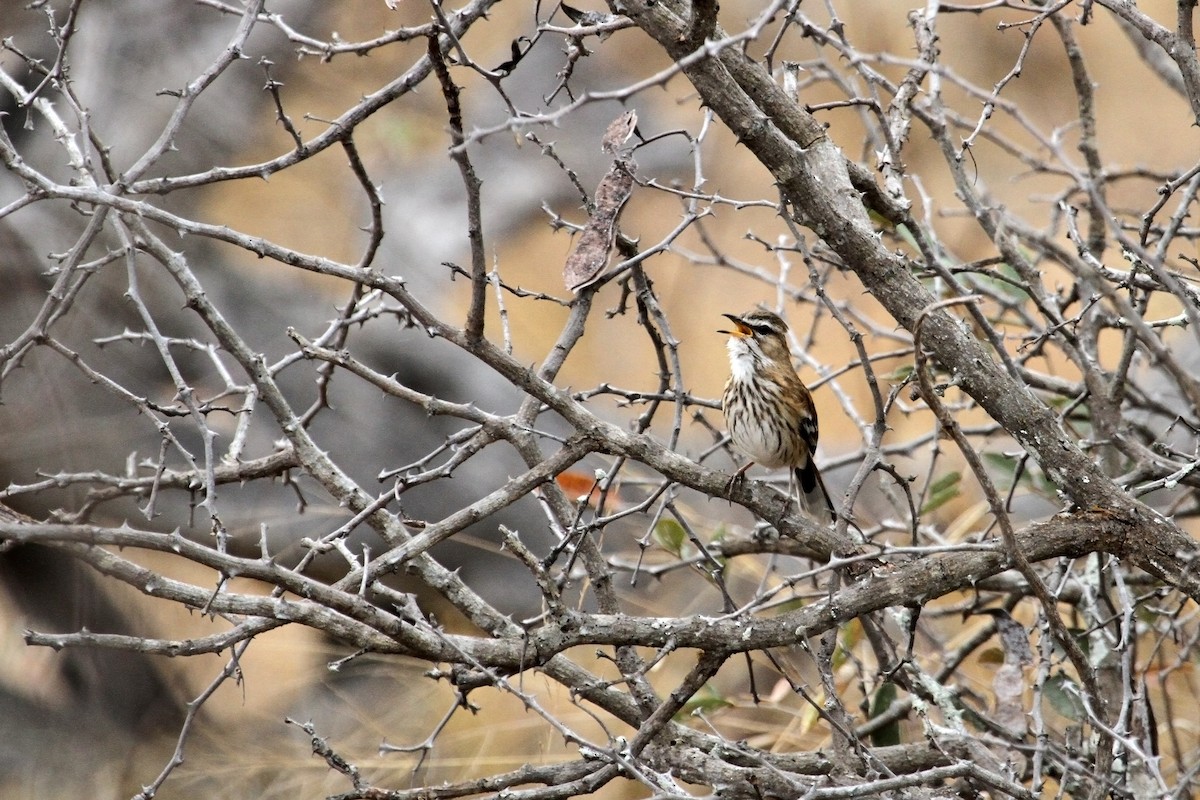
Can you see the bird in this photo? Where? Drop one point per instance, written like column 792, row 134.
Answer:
column 768, row 410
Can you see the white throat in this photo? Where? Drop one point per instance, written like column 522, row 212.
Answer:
column 742, row 359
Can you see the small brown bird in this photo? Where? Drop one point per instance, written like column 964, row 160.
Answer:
column 768, row 409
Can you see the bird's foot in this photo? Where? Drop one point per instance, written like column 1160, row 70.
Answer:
column 737, row 478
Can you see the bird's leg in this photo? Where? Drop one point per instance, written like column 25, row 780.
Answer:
column 738, row 476
column 794, row 493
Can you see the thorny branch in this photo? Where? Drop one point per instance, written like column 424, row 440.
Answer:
column 1051, row 333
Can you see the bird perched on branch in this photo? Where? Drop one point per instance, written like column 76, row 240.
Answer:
column 769, row 411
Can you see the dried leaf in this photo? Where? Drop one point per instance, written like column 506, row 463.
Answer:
column 592, row 251
column 1008, row 682
column 1013, row 638
column 1008, row 685
column 588, row 19
column 577, row 484
column 574, row 14
column 515, row 56
column 619, row 132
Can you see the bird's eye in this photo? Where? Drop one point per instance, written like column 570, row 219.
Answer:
column 761, row 330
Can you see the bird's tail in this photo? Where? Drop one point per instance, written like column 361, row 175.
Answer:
column 814, row 497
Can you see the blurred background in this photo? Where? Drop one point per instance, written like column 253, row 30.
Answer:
column 119, row 714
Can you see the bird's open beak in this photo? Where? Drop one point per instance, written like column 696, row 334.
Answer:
column 740, row 330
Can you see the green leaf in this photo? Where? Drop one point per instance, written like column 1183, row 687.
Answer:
column 1063, row 694
column 787, row 605
column 1003, row 466
column 1013, row 288
column 670, row 536
column 1001, row 461
column 852, row 633
column 705, row 700
column 880, row 221
column 889, row 734
column 991, row 655
column 945, row 482
column 906, row 236
column 942, row 491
